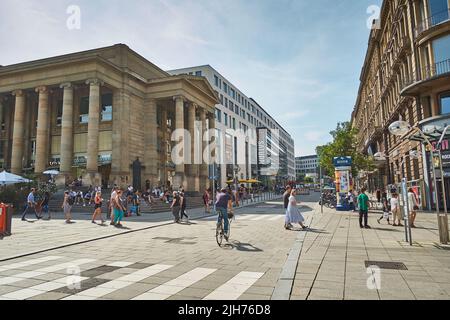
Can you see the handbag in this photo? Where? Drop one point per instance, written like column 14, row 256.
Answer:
column 416, row 207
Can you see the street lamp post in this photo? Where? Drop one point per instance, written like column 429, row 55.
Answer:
column 407, row 209
column 402, row 128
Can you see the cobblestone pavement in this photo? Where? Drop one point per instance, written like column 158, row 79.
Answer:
column 35, row 236
column 167, row 262
column 175, row 261
column 332, row 261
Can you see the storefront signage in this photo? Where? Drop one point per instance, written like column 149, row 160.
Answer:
column 342, row 162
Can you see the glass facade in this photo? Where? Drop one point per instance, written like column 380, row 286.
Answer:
column 445, row 103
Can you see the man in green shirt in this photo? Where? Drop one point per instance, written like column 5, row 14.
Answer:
column 363, row 204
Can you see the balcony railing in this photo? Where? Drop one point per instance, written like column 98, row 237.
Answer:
column 432, row 21
column 428, row 73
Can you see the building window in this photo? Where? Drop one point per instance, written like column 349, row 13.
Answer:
column 225, row 118
column 225, row 87
column 218, row 115
column 107, row 107
column 441, row 49
column 84, row 110
column 59, row 113
column 231, row 105
column 236, row 110
column 234, row 123
column 445, row 103
column 438, row 11
column 216, row 80
column 233, row 93
column 226, row 102
column 198, row 73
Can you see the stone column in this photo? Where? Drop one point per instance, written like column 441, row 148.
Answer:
column 67, row 130
column 18, row 133
column 193, row 181
column 164, row 177
column 179, row 124
column 42, row 135
column 204, row 166
column 150, row 141
column 211, row 126
column 120, row 167
column 93, row 132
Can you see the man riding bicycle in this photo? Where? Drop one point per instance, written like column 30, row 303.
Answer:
column 224, row 201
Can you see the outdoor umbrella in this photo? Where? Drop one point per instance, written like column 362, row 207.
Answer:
column 51, row 172
column 7, row 178
column 253, row 181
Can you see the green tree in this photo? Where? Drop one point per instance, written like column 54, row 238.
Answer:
column 344, row 144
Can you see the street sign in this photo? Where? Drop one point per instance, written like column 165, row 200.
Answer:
column 342, row 162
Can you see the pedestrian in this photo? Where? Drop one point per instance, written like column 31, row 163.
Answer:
column 176, row 207
column 395, row 208
column 286, row 196
column 363, row 204
column 294, row 214
column 206, row 201
column 183, row 206
column 67, row 206
column 118, row 208
column 98, row 202
column 386, row 208
column 223, row 204
column 351, row 202
column 378, row 193
column 111, row 207
column 413, row 203
column 31, row 204
column 44, row 205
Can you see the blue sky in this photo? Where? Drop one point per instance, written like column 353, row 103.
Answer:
column 300, row 59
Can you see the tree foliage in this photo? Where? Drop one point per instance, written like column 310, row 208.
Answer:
column 343, row 145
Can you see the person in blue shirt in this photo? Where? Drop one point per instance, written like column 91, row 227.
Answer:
column 31, row 204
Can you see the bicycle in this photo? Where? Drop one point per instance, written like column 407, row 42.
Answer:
column 220, row 233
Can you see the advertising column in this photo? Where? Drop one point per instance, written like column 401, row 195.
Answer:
column 343, row 175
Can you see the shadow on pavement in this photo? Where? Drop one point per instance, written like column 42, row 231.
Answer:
column 246, row 247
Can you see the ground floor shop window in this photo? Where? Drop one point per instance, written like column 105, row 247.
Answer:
column 445, row 103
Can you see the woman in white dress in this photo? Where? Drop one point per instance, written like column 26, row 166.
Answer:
column 293, row 212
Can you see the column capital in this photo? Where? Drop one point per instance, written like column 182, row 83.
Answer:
column 66, row 85
column 41, row 89
column 18, row 93
column 175, row 98
column 94, row 81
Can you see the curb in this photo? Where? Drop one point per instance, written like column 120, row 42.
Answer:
column 285, row 282
column 116, row 235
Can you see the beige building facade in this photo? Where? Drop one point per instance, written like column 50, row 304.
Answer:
column 106, row 115
column 406, row 74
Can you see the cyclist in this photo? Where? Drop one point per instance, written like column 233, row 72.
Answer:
column 224, row 201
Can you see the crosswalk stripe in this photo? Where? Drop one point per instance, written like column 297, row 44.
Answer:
column 39, row 289
column 275, row 218
column 235, row 287
column 120, row 283
column 174, row 286
column 40, row 272
column 27, row 263
column 258, row 218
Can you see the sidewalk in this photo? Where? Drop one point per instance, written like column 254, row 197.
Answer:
column 333, row 255
column 38, row 236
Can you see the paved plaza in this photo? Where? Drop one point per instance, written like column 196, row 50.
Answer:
column 158, row 260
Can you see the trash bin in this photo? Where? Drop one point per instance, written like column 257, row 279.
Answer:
column 6, row 214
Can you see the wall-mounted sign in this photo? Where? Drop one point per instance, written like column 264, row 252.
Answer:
column 342, row 162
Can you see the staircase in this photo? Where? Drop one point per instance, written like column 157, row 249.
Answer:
column 157, row 207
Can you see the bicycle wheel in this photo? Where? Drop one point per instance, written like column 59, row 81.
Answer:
column 219, row 233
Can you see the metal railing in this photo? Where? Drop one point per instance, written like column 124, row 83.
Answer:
column 432, row 21
column 427, row 73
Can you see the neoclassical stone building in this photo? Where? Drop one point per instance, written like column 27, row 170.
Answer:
column 406, row 74
column 106, row 115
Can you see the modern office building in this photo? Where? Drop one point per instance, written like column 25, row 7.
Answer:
column 106, row 115
column 236, row 111
column 307, row 166
column 406, row 75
